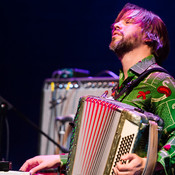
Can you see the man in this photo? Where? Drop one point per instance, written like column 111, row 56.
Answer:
column 139, row 39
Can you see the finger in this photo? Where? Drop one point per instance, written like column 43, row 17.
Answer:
column 128, row 157
column 23, row 167
column 37, row 168
column 26, row 166
column 117, row 172
column 123, row 167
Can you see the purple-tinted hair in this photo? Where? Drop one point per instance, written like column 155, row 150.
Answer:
column 154, row 30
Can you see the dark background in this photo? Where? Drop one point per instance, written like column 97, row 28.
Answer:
column 38, row 37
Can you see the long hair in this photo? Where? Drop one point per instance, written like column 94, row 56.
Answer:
column 153, row 28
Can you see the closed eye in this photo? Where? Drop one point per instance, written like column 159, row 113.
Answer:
column 129, row 20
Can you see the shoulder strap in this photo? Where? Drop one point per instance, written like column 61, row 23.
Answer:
column 128, row 88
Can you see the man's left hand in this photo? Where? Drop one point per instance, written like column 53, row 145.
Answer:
column 134, row 166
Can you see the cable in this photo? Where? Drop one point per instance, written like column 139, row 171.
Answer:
column 112, row 74
column 64, row 150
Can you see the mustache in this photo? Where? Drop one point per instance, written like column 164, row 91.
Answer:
column 117, row 31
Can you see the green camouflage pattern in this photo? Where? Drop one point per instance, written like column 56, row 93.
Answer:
column 155, row 94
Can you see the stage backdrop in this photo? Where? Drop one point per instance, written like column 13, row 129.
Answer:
column 38, row 37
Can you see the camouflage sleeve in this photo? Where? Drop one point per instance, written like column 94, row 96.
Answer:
column 166, row 156
column 63, row 158
column 163, row 102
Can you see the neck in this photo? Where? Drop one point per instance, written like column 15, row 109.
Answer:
column 131, row 58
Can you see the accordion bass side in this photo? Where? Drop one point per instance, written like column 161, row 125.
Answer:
column 104, row 130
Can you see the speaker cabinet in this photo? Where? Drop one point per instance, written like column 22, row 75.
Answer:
column 60, row 100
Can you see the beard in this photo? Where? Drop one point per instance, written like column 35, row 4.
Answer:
column 126, row 44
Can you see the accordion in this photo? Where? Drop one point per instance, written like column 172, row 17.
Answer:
column 104, row 130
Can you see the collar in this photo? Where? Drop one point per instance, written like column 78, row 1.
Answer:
column 137, row 69
column 144, row 64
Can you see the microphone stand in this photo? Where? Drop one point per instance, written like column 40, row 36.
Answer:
column 5, row 105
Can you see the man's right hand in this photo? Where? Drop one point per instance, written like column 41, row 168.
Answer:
column 41, row 162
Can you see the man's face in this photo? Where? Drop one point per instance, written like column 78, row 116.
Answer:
column 126, row 34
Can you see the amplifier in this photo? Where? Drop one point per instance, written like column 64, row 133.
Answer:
column 59, row 103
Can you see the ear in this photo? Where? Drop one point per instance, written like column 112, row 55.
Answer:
column 147, row 40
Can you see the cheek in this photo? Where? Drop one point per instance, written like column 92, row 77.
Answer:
column 129, row 30
column 136, row 31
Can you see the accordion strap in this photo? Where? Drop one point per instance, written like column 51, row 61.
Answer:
column 152, row 149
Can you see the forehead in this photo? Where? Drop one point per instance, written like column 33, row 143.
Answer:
column 130, row 14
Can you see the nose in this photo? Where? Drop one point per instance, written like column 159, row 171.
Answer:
column 117, row 25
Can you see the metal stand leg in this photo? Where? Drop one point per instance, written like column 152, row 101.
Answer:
column 61, row 132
